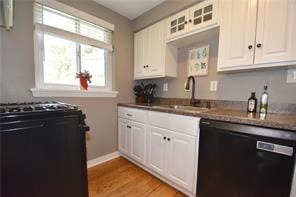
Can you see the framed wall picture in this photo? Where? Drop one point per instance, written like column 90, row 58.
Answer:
column 198, row 61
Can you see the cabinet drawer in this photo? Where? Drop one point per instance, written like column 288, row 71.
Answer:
column 132, row 114
column 178, row 123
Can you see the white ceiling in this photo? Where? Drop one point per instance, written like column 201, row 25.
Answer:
column 130, row 8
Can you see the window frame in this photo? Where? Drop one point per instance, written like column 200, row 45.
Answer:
column 62, row 90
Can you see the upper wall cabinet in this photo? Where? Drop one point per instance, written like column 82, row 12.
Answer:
column 152, row 57
column 257, row 34
column 192, row 20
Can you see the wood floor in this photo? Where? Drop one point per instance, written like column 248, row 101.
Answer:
column 119, row 177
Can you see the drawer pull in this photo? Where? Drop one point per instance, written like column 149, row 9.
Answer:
column 129, row 114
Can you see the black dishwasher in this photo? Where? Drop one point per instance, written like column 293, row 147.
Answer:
column 244, row 161
column 43, row 150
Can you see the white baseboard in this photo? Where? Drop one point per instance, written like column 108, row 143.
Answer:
column 102, row 159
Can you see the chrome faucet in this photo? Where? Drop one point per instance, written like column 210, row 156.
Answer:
column 187, row 88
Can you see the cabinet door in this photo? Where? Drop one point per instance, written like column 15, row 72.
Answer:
column 177, row 24
column 124, row 136
column 138, row 141
column 181, row 160
column 203, row 15
column 156, row 49
column 237, row 33
column 276, row 27
column 141, row 54
column 156, row 150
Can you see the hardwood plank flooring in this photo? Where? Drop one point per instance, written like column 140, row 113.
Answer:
column 121, row 178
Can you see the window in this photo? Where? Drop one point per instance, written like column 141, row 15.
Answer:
column 65, row 44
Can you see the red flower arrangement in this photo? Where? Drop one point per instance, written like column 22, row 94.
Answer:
column 84, row 79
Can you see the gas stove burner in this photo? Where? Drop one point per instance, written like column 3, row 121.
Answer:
column 62, row 107
column 39, row 108
column 14, row 109
column 28, row 107
column 51, row 107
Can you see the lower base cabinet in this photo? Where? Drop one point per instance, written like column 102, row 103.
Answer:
column 164, row 151
column 132, row 139
column 156, row 150
column 172, row 155
column 138, row 142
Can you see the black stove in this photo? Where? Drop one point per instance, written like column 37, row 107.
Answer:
column 39, row 141
column 31, row 107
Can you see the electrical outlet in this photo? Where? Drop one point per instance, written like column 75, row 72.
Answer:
column 291, row 76
column 213, row 85
column 165, row 87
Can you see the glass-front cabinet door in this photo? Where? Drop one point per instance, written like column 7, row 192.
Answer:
column 177, row 24
column 203, row 15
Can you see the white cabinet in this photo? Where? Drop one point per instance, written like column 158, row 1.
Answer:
column 237, row 33
column 152, row 57
column 156, row 150
column 276, row 27
column 178, row 24
column 172, row 155
column 138, row 141
column 140, row 47
column 164, row 144
column 132, row 133
column 123, row 136
column 192, row 20
column 256, row 34
column 182, row 158
column 172, row 147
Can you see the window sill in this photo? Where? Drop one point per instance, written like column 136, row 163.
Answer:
column 72, row 93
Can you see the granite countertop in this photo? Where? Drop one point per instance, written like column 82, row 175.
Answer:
column 272, row 120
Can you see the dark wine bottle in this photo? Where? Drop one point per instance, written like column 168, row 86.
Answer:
column 252, row 103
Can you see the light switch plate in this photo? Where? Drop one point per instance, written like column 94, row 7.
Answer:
column 291, row 76
column 165, row 87
column 213, row 86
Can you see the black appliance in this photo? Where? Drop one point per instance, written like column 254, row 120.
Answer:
column 244, row 161
column 43, row 151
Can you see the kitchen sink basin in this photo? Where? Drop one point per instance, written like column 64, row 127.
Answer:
column 183, row 107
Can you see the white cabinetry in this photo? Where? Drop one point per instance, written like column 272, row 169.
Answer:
column 181, row 167
column 256, row 34
column 156, row 148
column 152, row 57
column 276, row 27
column 138, row 141
column 124, row 136
column 170, row 152
column 172, row 155
column 165, row 144
column 193, row 20
column 132, row 133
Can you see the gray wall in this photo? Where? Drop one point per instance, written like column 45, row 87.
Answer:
column 161, row 11
column 18, row 72
column 235, row 86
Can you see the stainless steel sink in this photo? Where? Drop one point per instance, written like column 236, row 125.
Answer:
column 183, row 107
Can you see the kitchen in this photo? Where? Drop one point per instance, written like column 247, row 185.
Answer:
column 257, row 50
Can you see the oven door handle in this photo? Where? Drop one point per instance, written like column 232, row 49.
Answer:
column 40, row 125
column 84, row 128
